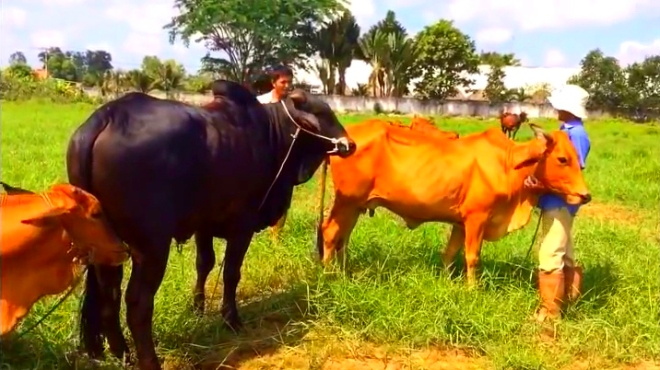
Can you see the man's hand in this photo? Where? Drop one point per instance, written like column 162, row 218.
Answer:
column 532, row 183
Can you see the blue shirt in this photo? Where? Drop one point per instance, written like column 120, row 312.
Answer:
column 580, row 140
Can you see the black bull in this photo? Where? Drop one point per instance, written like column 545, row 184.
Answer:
column 166, row 170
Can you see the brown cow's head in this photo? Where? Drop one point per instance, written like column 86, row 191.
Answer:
column 558, row 167
column 82, row 218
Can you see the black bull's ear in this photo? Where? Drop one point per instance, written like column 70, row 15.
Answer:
column 299, row 110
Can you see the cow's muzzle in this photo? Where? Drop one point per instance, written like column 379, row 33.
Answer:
column 345, row 147
column 577, row 199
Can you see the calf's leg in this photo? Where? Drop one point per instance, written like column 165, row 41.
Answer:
column 204, row 261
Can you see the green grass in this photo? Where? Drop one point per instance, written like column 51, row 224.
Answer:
column 394, row 293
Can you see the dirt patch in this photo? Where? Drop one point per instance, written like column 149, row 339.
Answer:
column 340, row 355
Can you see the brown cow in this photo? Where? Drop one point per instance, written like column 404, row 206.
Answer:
column 418, row 123
column 510, row 123
column 474, row 183
column 43, row 238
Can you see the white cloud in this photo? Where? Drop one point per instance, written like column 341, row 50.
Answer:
column 100, row 46
column 12, row 17
column 62, row 2
column 363, row 10
column 531, row 15
column 48, row 38
column 554, row 58
column 143, row 44
column 635, row 51
column 493, row 35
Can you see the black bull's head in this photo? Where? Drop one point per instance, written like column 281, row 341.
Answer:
column 316, row 118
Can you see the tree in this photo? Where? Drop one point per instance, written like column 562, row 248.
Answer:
column 444, row 57
column 20, row 70
column 494, row 58
column 253, row 35
column 95, row 64
column 390, row 52
column 337, row 42
column 644, row 86
column 604, row 79
column 17, row 57
column 495, row 90
column 140, row 81
column 167, row 75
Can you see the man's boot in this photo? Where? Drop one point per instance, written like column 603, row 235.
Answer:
column 573, row 282
column 552, row 290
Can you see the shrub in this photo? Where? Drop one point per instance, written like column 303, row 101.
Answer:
column 14, row 86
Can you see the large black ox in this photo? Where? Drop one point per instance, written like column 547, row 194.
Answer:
column 166, row 170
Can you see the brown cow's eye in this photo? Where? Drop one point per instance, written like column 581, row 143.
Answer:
column 563, row 160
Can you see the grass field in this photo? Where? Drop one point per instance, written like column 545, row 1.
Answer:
column 394, row 307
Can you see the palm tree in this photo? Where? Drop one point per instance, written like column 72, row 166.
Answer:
column 375, row 51
column 140, row 81
column 402, row 56
column 170, row 77
column 337, row 42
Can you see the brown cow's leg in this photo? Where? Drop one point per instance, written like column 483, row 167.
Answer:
column 338, row 227
column 276, row 230
column 145, row 280
column 474, row 230
column 237, row 246
column 455, row 243
column 204, row 262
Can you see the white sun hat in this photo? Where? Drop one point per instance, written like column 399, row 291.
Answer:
column 570, row 98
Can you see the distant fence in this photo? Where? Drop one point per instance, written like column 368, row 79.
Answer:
column 463, row 108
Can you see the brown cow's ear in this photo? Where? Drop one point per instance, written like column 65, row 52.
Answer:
column 527, row 155
column 540, row 133
column 48, row 218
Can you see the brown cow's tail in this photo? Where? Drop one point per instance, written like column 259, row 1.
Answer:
column 79, row 169
column 319, row 229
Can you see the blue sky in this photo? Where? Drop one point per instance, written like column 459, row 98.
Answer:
column 541, row 33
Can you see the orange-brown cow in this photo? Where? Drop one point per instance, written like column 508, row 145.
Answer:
column 43, row 237
column 418, row 123
column 510, row 123
column 474, row 183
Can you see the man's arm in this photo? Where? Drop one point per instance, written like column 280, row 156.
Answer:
column 582, row 145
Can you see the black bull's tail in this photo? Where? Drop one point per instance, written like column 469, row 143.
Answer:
column 79, row 169
column 319, row 229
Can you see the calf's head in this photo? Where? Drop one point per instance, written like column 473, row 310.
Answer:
column 557, row 164
column 80, row 214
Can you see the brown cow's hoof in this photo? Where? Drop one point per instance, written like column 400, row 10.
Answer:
column 233, row 322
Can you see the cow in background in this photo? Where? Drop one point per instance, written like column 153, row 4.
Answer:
column 511, row 122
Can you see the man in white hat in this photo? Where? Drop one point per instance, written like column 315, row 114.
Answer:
column 559, row 275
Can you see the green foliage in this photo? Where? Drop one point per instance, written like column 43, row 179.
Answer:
column 494, row 58
column 389, row 51
column 253, row 35
column 495, row 90
column 17, row 57
column 19, row 70
column 633, row 91
column 20, row 87
column 445, row 56
column 337, row 45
